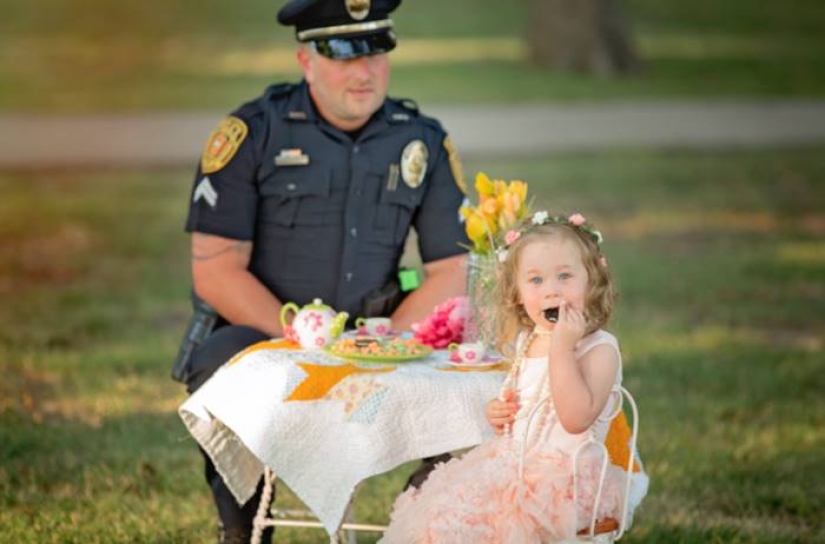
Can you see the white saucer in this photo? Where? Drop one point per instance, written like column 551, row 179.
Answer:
column 486, row 361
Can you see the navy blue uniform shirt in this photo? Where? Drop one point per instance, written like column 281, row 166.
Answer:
column 328, row 215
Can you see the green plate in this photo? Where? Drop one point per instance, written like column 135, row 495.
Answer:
column 426, row 351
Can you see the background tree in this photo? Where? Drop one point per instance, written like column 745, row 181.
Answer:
column 585, row 36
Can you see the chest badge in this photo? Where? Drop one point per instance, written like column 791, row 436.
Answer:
column 414, row 163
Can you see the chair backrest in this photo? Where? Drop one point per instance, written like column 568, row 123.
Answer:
column 619, row 448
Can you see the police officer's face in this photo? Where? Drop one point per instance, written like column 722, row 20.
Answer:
column 346, row 92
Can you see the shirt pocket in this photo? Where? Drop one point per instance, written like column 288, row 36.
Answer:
column 297, row 196
column 396, row 207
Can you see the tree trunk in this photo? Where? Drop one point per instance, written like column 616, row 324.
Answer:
column 585, row 36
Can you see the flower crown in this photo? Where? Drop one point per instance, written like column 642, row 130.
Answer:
column 576, row 221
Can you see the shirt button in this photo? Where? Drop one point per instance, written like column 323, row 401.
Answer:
column 349, row 276
column 356, row 149
column 359, row 192
column 354, row 232
column 291, row 186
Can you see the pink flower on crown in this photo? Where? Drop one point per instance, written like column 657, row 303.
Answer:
column 577, row 219
column 511, row 236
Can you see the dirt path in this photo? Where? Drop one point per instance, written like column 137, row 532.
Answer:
column 166, row 139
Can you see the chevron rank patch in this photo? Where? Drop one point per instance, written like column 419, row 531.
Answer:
column 205, row 191
column 455, row 164
column 222, row 144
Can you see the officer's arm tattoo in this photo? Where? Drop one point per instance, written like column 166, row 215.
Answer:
column 208, row 247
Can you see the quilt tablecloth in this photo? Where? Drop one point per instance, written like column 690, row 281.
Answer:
column 324, row 424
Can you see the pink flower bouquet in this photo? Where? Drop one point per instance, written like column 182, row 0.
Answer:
column 445, row 324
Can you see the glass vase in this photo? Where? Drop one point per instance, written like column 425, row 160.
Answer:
column 481, row 277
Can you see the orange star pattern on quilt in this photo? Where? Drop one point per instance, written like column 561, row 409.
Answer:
column 321, row 378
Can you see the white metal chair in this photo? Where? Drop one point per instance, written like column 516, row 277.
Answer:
column 609, row 530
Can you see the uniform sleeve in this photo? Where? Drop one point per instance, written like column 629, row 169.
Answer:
column 224, row 195
column 440, row 230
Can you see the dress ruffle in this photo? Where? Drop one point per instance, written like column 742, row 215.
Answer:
column 480, row 498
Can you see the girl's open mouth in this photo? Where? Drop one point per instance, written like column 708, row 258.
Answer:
column 551, row 315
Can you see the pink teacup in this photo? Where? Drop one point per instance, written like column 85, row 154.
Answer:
column 468, row 352
column 375, row 326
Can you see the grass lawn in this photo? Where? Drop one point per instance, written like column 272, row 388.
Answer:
column 719, row 257
column 188, row 55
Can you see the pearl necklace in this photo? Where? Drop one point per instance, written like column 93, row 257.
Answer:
column 511, row 382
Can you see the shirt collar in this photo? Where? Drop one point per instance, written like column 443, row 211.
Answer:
column 300, row 108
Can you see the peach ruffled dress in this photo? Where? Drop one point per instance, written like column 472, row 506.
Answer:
column 480, row 498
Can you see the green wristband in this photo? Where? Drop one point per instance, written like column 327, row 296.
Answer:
column 408, row 279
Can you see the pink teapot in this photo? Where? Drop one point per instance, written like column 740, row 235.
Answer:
column 315, row 325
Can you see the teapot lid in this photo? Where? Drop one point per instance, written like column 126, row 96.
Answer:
column 317, row 304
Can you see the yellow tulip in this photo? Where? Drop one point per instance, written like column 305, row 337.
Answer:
column 499, row 187
column 489, row 207
column 501, row 205
column 519, row 188
column 509, row 210
column 483, row 184
column 511, row 202
column 476, row 229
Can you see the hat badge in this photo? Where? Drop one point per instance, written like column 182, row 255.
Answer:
column 358, row 9
column 414, row 163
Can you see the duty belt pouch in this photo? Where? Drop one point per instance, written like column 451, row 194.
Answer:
column 383, row 301
column 200, row 326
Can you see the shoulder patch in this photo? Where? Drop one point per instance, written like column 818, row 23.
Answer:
column 455, row 164
column 222, row 144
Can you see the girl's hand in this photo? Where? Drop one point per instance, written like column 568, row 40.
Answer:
column 501, row 413
column 569, row 329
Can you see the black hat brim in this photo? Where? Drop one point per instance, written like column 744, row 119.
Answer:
column 350, row 47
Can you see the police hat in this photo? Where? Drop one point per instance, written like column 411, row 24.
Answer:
column 342, row 29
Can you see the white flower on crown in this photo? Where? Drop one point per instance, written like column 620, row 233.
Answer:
column 502, row 254
column 598, row 236
column 539, row 218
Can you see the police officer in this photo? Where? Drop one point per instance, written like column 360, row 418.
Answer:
column 310, row 190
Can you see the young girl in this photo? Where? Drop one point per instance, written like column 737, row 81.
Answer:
column 554, row 294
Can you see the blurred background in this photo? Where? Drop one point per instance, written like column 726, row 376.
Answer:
column 690, row 132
